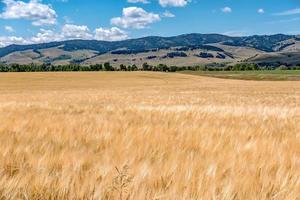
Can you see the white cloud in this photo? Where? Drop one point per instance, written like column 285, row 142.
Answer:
column 138, row 1
column 261, row 11
column 42, row 37
column 173, row 3
column 226, row 10
column 284, row 20
column 134, row 17
column 236, row 33
column 4, row 40
column 9, row 29
column 168, row 14
column 46, row 36
column 289, row 12
column 38, row 13
column 112, row 34
column 70, row 31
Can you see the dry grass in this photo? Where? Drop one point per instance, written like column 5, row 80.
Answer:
column 148, row 136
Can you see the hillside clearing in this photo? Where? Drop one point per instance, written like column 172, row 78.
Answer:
column 144, row 135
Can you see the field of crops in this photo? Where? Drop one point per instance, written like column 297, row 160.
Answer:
column 144, row 135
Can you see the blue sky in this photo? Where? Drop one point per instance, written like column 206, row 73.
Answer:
column 35, row 21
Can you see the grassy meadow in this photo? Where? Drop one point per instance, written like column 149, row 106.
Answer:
column 260, row 75
column 145, row 135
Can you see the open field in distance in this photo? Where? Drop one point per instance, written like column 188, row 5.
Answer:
column 144, row 135
column 261, row 75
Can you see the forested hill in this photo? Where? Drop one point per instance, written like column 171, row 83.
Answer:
column 267, row 43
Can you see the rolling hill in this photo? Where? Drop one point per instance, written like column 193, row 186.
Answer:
column 188, row 49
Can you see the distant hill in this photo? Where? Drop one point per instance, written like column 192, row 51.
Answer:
column 193, row 45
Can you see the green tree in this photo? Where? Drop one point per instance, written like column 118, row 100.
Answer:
column 123, row 67
column 134, row 67
column 108, row 67
column 146, row 67
column 162, row 67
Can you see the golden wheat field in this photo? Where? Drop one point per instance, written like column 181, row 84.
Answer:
column 140, row 136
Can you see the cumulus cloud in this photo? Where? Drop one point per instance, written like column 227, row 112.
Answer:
column 41, row 37
column 71, row 31
column 226, row 10
column 135, row 17
column 7, row 40
column 168, row 14
column 112, row 34
column 68, row 32
column 45, row 36
column 173, row 3
column 261, row 11
column 40, row 14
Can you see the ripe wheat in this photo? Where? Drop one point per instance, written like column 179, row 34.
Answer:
column 148, row 136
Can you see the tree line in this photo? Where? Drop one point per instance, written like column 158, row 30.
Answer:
column 145, row 67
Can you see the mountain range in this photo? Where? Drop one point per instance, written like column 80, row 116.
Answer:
column 187, row 49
